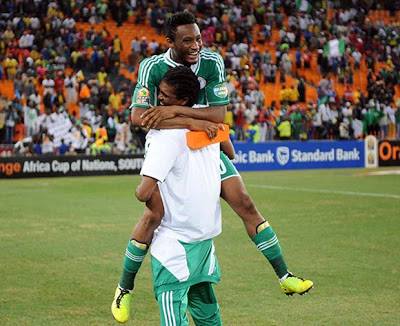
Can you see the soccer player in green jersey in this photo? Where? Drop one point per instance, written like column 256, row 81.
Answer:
column 183, row 260
column 185, row 48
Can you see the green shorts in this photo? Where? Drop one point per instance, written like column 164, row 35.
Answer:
column 199, row 300
column 177, row 265
column 227, row 168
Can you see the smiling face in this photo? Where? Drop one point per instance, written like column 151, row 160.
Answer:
column 167, row 95
column 187, row 44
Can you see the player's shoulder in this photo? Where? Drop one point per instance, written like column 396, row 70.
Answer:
column 151, row 62
column 150, row 68
column 210, row 56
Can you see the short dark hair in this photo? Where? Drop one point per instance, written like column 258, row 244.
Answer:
column 184, row 82
column 178, row 19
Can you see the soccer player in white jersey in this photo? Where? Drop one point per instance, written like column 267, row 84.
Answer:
column 185, row 48
column 182, row 252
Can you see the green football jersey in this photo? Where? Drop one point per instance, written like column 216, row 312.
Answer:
column 209, row 69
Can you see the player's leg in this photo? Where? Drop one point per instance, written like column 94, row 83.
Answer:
column 134, row 255
column 141, row 239
column 175, row 265
column 173, row 307
column 234, row 192
column 203, row 305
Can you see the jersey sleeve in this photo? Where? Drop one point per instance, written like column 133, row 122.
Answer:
column 162, row 150
column 144, row 93
column 216, row 89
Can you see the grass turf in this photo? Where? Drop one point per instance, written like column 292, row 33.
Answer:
column 62, row 241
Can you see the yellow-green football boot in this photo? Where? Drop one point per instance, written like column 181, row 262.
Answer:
column 121, row 305
column 293, row 284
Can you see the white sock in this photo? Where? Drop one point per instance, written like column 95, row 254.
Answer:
column 284, row 277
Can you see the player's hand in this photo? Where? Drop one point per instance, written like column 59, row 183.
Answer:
column 216, row 127
column 152, row 117
column 211, row 128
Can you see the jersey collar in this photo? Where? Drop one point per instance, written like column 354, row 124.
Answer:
column 168, row 60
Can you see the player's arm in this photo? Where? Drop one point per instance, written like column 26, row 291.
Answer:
column 179, row 122
column 146, row 188
column 144, row 94
column 214, row 113
column 227, row 148
column 172, row 122
column 155, row 116
column 136, row 116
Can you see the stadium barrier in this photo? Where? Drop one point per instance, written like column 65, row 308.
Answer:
column 286, row 155
column 389, row 153
column 57, row 166
column 6, row 150
column 280, row 155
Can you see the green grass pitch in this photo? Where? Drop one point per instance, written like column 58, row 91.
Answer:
column 62, row 241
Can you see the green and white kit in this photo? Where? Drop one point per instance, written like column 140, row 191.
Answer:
column 227, row 168
column 213, row 90
column 183, row 257
column 209, row 69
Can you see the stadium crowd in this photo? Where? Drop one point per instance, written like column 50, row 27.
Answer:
column 70, row 97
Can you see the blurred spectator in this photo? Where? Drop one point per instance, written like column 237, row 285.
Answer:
column 11, row 119
column 253, row 132
column 301, row 89
column 19, row 130
column 48, row 85
column 101, row 145
column 397, row 119
column 296, row 122
column 123, row 137
column 47, row 145
column 119, row 11
column 79, row 139
column 31, row 115
column 115, row 100
column 63, row 148
column 284, row 129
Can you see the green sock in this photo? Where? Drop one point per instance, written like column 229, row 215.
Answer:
column 134, row 255
column 267, row 242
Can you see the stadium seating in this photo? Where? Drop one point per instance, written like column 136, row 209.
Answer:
column 312, row 76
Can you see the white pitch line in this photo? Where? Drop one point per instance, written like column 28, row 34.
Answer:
column 388, row 172
column 323, row 191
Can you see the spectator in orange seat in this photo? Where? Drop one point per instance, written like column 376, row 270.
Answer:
column 84, row 93
column 19, row 130
column 10, row 65
column 115, row 100
column 284, row 95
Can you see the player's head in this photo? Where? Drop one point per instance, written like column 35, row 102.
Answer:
column 183, row 37
column 179, row 86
